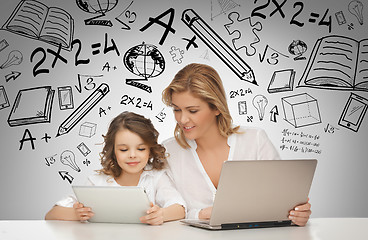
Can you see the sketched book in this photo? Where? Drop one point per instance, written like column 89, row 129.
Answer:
column 36, row 20
column 337, row 62
column 281, row 81
column 32, row 105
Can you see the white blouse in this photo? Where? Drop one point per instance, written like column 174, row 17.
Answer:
column 157, row 184
column 190, row 177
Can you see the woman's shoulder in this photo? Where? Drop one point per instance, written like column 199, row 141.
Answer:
column 171, row 145
column 170, row 142
column 250, row 130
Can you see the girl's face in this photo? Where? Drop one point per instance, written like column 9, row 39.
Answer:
column 131, row 152
column 194, row 116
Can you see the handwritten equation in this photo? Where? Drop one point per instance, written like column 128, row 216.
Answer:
column 300, row 142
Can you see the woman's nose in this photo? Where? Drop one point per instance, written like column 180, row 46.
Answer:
column 184, row 118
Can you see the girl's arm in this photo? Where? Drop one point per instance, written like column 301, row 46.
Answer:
column 157, row 216
column 174, row 212
column 76, row 213
column 61, row 213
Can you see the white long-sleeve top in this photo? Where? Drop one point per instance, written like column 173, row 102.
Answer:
column 190, row 177
column 157, row 184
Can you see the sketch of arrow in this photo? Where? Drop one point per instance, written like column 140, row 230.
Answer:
column 274, row 111
column 13, row 75
column 65, row 175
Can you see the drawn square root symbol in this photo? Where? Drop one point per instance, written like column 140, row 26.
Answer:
column 301, row 110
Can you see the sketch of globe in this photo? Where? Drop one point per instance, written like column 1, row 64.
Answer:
column 96, row 6
column 297, row 47
column 144, row 60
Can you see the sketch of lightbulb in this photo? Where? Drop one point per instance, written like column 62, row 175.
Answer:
column 260, row 102
column 356, row 8
column 14, row 58
column 68, row 158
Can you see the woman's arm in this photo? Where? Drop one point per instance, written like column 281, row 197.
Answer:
column 300, row 214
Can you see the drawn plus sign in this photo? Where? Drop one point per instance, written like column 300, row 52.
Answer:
column 46, row 137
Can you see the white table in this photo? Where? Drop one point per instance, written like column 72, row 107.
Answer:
column 316, row 229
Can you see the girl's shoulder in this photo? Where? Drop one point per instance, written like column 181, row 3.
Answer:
column 101, row 179
column 154, row 173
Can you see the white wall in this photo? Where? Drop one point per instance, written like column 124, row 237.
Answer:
column 29, row 187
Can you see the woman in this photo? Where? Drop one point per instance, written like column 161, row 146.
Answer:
column 205, row 138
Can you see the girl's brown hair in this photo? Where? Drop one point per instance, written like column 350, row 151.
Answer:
column 139, row 125
column 205, row 83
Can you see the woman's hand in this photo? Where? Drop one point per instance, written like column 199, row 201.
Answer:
column 205, row 213
column 155, row 215
column 300, row 214
column 82, row 213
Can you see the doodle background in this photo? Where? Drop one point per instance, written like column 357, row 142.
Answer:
column 30, row 182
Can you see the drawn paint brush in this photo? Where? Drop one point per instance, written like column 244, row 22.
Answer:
column 218, row 45
column 83, row 109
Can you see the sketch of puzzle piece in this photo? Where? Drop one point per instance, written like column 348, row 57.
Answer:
column 246, row 32
column 176, row 54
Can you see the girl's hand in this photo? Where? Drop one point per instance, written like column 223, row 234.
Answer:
column 300, row 214
column 205, row 213
column 82, row 213
column 155, row 215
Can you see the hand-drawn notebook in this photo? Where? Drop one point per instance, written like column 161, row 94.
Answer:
column 281, row 81
column 337, row 63
column 34, row 19
column 32, row 105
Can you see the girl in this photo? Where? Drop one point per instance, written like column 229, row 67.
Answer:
column 131, row 156
column 205, row 138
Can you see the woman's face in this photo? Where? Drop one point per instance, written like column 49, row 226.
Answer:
column 131, row 152
column 194, row 116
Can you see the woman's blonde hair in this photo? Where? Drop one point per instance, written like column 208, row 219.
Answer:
column 203, row 82
column 139, row 125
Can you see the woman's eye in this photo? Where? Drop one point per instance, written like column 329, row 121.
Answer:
column 176, row 110
column 193, row 111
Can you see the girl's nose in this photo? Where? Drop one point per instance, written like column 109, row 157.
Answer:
column 132, row 154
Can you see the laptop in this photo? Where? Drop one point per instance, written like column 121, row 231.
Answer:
column 258, row 193
column 114, row 204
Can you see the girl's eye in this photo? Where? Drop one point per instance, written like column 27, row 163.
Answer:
column 141, row 149
column 123, row 150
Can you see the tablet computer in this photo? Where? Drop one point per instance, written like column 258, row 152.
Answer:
column 114, row 204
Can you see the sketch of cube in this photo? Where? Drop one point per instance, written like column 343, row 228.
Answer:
column 87, row 129
column 301, row 110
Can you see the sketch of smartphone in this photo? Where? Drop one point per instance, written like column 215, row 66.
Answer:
column 65, row 97
column 4, row 102
column 242, row 107
column 354, row 112
column 82, row 147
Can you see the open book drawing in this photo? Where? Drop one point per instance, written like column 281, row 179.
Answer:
column 337, row 62
column 36, row 20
